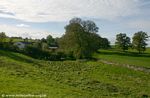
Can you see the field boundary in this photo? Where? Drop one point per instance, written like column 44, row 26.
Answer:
column 134, row 67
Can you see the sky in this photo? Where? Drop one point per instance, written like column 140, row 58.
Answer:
column 39, row 18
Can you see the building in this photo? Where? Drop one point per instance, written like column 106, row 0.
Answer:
column 21, row 45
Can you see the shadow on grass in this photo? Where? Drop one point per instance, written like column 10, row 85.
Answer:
column 121, row 53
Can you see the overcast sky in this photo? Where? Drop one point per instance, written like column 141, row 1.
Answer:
column 39, row 18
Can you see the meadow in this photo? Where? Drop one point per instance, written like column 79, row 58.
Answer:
column 18, row 40
column 20, row 74
column 131, row 57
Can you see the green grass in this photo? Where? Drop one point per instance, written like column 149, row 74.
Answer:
column 18, row 40
column 130, row 57
column 20, row 74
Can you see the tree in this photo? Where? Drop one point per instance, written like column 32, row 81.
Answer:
column 72, row 40
column 26, row 40
column 122, row 41
column 139, row 41
column 76, row 20
column 104, row 44
column 88, row 25
column 50, row 40
column 43, row 40
column 80, row 40
column 2, row 37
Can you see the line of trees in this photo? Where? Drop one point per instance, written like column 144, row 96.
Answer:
column 138, row 41
column 79, row 41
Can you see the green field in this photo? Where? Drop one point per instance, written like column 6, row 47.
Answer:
column 130, row 57
column 18, row 40
column 20, row 74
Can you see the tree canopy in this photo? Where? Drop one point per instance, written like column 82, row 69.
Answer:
column 88, row 25
column 122, row 41
column 50, row 40
column 139, row 41
column 80, row 38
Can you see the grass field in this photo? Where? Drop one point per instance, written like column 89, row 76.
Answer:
column 20, row 74
column 18, row 40
column 130, row 57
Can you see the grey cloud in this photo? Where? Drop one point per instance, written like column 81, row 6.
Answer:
column 8, row 13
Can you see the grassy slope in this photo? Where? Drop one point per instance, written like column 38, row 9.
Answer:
column 69, row 79
column 131, row 57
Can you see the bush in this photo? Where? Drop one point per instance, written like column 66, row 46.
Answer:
column 42, row 54
column 9, row 46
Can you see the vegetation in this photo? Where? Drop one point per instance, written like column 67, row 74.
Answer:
column 130, row 57
column 139, row 41
column 50, row 40
column 21, row 74
column 80, row 64
column 80, row 39
column 2, row 37
column 122, row 41
column 104, row 43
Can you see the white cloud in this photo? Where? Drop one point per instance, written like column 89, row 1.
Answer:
column 62, row 10
column 23, row 25
column 139, row 24
column 25, row 32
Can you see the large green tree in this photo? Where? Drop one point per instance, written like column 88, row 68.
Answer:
column 122, row 41
column 80, row 38
column 139, row 41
